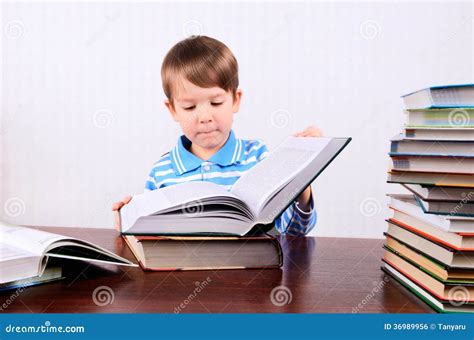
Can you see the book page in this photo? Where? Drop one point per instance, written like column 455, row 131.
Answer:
column 33, row 240
column 185, row 197
column 259, row 184
column 17, row 264
column 8, row 253
column 39, row 243
column 184, row 193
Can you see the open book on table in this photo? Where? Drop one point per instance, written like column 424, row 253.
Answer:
column 24, row 252
column 255, row 200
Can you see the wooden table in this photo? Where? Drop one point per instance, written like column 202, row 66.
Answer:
column 336, row 275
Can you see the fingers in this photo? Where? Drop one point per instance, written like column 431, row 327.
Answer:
column 117, row 221
column 311, row 131
column 127, row 199
column 117, row 205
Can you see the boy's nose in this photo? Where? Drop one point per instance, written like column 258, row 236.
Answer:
column 204, row 117
column 206, row 120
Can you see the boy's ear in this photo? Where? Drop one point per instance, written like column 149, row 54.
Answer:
column 237, row 98
column 169, row 105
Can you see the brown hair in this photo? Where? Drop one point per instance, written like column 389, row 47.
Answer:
column 204, row 61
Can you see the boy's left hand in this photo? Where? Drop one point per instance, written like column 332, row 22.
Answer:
column 310, row 131
column 305, row 197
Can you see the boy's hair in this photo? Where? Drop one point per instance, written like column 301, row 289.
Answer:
column 204, row 61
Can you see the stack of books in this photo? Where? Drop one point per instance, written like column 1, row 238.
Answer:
column 199, row 225
column 429, row 245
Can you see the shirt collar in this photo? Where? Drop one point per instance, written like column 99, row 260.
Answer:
column 183, row 160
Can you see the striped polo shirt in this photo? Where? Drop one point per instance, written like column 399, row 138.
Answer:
column 225, row 167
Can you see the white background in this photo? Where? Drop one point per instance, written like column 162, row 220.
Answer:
column 82, row 108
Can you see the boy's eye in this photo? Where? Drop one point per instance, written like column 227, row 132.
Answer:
column 216, row 104
column 189, row 108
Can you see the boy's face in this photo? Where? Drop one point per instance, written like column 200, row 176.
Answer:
column 205, row 114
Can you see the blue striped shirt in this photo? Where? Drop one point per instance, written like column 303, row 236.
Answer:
column 225, row 167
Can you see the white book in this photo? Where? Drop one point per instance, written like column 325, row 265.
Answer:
column 442, row 193
column 440, row 164
column 455, row 224
column 254, row 202
column 401, row 146
column 440, row 97
column 447, row 117
column 24, row 252
column 432, row 133
column 50, row 274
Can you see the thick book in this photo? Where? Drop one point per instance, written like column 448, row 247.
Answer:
column 50, row 274
column 431, row 133
column 205, row 252
column 433, row 193
column 430, row 163
column 401, row 146
column 442, row 253
column 459, row 208
column 436, row 287
column 408, row 205
column 454, row 241
column 451, row 240
column 24, row 252
column 425, row 296
column 255, row 200
column 429, row 264
column 431, row 178
column 453, row 96
column 459, row 117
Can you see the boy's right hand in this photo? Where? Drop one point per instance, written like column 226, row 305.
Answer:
column 116, row 208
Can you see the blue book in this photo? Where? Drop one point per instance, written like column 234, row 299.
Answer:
column 462, row 209
column 50, row 274
column 401, row 146
column 448, row 96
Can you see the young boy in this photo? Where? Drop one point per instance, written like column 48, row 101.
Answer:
column 200, row 81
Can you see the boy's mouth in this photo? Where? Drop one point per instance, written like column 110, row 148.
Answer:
column 206, row 132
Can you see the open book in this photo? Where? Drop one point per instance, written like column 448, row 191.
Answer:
column 24, row 252
column 256, row 199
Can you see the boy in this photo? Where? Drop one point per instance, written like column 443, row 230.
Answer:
column 200, row 81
